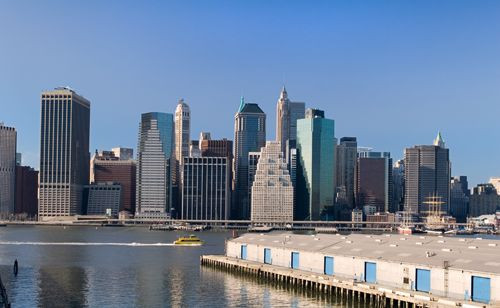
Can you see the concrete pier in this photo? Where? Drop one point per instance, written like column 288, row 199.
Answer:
column 331, row 286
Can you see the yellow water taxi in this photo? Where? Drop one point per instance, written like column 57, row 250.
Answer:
column 192, row 240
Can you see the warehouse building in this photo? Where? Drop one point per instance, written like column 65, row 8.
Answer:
column 449, row 267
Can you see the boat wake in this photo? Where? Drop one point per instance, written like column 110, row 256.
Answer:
column 86, row 244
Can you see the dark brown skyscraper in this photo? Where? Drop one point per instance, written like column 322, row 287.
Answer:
column 26, row 196
column 106, row 167
column 373, row 182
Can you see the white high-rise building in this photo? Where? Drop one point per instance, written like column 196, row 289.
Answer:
column 272, row 189
column 182, row 130
column 64, row 153
column 8, row 139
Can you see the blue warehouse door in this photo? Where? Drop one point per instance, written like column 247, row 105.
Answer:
column 243, row 253
column 295, row 260
column 481, row 289
column 370, row 272
column 267, row 256
column 423, row 280
column 328, row 265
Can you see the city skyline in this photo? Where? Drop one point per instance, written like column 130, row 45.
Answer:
column 35, row 163
column 409, row 69
column 258, row 153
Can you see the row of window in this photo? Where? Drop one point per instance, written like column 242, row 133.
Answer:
column 480, row 286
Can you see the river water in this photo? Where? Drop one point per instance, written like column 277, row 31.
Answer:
column 127, row 267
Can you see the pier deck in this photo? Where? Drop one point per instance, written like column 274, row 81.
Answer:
column 376, row 295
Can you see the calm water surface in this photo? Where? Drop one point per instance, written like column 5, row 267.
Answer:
column 115, row 267
column 110, row 267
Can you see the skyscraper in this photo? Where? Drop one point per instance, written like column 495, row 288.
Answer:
column 64, row 153
column 8, row 144
column 272, row 190
column 315, row 167
column 427, row 175
column 182, row 145
column 249, row 136
column 155, row 149
column 287, row 114
column 459, row 198
column 346, row 154
column 182, row 130
column 373, row 181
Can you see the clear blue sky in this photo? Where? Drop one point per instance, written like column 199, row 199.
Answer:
column 392, row 73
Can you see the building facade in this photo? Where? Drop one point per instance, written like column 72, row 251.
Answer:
column 103, row 199
column 123, row 153
column 272, row 189
column 216, row 148
column 484, row 200
column 26, row 197
column 345, row 160
column 120, row 168
column 64, row 153
column 154, row 178
column 8, row 145
column 315, row 167
column 287, row 114
column 427, row 175
column 249, row 136
column 459, row 198
column 398, row 187
column 373, row 181
column 253, row 160
column 206, row 188
column 495, row 181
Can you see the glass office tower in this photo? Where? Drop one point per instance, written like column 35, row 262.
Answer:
column 249, row 136
column 316, row 167
column 154, row 176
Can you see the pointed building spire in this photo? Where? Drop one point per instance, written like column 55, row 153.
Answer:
column 242, row 104
column 439, row 141
column 283, row 94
